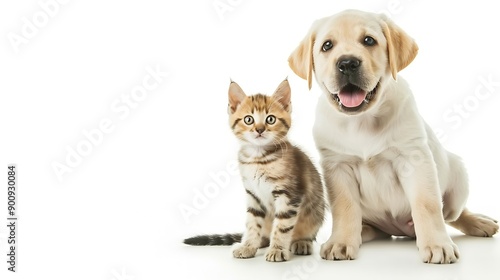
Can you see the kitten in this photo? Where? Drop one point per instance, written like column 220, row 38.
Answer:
column 285, row 200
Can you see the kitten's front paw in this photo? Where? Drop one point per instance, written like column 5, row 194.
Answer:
column 243, row 252
column 339, row 251
column 277, row 255
column 302, row 247
column 439, row 252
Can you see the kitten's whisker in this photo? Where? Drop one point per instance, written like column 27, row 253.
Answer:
column 280, row 141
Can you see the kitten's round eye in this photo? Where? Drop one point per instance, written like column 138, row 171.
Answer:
column 327, row 45
column 248, row 120
column 369, row 41
column 270, row 119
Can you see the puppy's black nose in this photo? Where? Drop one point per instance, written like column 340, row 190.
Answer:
column 348, row 65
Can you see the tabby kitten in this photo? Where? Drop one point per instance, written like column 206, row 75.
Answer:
column 285, row 201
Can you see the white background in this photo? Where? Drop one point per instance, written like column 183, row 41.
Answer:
column 117, row 215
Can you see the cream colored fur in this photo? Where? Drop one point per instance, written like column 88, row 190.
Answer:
column 384, row 169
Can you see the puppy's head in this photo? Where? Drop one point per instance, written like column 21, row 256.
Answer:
column 353, row 54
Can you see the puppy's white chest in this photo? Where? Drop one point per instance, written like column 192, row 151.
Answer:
column 362, row 145
column 353, row 142
column 348, row 136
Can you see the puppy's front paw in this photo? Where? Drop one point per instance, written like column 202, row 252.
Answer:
column 277, row 255
column 439, row 252
column 302, row 247
column 241, row 251
column 339, row 251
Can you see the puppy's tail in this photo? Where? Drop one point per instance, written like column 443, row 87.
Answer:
column 214, row 239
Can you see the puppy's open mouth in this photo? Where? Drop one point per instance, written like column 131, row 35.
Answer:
column 352, row 98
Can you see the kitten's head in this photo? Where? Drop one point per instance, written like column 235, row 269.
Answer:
column 259, row 119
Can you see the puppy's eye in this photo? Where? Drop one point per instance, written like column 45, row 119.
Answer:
column 270, row 119
column 327, row 45
column 369, row 41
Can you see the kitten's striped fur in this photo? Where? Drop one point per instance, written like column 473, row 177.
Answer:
column 214, row 239
column 285, row 201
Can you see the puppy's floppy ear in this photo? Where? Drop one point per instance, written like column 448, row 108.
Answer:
column 401, row 48
column 301, row 59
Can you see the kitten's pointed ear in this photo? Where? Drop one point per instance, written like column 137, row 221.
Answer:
column 236, row 96
column 283, row 94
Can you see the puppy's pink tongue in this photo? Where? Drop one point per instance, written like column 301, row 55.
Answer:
column 352, row 99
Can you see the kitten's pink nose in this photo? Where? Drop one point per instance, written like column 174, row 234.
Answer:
column 260, row 129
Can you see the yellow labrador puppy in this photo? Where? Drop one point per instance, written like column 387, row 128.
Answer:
column 384, row 169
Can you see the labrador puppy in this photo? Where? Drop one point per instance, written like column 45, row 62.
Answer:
column 385, row 171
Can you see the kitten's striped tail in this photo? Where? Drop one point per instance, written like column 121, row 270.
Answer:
column 214, row 239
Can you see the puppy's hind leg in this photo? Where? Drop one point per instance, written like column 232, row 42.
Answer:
column 454, row 211
column 475, row 224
